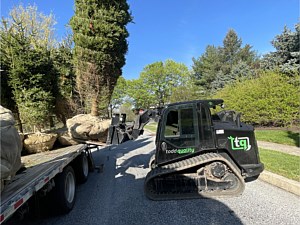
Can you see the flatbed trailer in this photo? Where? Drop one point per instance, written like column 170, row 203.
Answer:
column 56, row 169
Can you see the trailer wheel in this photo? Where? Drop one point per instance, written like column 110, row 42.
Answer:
column 82, row 168
column 65, row 190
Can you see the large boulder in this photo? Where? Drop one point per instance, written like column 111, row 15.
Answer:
column 88, row 127
column 63, row 137
column 10, row 149
column 66, row 140
column 39, row 142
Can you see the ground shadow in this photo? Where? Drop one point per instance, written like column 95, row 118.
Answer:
column 295, row 136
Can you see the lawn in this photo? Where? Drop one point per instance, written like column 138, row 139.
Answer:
column 278, row 136
column 281, row 163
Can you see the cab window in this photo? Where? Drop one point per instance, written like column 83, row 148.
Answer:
column 179, row 127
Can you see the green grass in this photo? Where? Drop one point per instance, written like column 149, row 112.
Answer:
column 281, row 163
column 278, row 136
column 151, row 127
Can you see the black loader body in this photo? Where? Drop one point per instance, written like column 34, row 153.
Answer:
column 201, row 154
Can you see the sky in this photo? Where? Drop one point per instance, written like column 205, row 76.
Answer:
column 182, row 29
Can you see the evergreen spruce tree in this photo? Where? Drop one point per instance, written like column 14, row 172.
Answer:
column 100, row 33
column 286, row 58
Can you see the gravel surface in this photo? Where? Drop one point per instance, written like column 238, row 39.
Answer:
column 115, row 196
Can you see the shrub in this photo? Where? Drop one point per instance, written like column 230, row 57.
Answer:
column 270, row 99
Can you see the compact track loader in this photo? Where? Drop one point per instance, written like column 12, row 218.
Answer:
column 200, row 153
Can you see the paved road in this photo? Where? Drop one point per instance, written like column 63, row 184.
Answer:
column 115, row 196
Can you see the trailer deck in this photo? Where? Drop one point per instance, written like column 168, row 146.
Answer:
column 39, row 169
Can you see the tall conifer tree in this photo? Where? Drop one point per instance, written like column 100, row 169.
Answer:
column 100, row 33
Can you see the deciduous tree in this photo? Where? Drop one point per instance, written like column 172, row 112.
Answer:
column 162, row 77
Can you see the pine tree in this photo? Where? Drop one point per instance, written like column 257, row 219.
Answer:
column 231, row 47
column 206, row 67
column 100, row 33
column 219, row 66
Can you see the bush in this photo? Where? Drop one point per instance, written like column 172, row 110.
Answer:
column 270, row 99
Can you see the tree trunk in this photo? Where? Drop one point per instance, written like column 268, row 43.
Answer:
column 51, row 122
column 19, row 122
column 94, row 108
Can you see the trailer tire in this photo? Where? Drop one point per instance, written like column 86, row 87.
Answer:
column 65, row 191
column 81, row 167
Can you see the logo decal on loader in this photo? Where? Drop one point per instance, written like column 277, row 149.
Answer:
column 240, row 143
column 164, row 147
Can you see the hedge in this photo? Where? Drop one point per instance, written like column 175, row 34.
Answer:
column 271, row 99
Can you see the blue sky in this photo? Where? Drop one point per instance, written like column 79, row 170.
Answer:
column 180, row 30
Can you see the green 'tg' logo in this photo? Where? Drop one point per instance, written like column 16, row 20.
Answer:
column 240, row 143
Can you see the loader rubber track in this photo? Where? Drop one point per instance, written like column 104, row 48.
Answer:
column 179, row 181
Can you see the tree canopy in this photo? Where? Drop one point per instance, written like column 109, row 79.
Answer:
column 156, row 83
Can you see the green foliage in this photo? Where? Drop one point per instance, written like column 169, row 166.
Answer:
column 286, row 57
column 206, row 67
column 100, row 34
column 138, row 91
column 240, row 71
column 231, row 48
column 67, row 103
column 269, row 99
column 33, row 82
column 63, row 62
column 29, row 67
column 6, row 91
column 157, row 83
column 34, row 105
column 218, row 66
column 120, row 93
column 187, row 91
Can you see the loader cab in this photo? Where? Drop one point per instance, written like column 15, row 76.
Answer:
column 184, row 129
